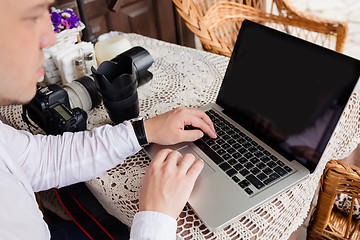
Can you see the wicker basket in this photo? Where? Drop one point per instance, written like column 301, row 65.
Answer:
column 327, row 222
column 217, row 22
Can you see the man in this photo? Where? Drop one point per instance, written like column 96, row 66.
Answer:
column 31, row 163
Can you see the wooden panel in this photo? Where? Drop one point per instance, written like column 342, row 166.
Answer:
column 99, row 25
column 153, row 18
column 136, row 18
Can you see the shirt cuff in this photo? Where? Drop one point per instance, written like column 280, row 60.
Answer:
column 153, row 225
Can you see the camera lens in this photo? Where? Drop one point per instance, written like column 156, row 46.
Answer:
column 83, row 93
column 124, row 109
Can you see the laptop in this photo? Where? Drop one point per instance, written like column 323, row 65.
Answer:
column 278, row 105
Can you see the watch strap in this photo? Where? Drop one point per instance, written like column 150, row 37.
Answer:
column 138, row 126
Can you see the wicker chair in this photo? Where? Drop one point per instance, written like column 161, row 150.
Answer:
column 327, row 222
column 217, row 22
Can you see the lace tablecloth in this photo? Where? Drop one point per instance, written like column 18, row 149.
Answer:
column 191, row 78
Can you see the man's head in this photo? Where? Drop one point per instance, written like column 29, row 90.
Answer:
column 25, row 28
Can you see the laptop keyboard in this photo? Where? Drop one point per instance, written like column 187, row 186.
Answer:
column 245, row 161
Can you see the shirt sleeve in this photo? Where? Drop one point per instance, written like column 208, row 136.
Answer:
column 149, row 225
column 57, row 161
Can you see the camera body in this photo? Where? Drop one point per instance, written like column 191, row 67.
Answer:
column 50, row 109
column 57, row 109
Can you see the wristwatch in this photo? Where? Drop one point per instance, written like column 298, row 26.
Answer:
column 138, row 126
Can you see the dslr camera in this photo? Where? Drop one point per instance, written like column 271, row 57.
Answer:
column 56, row 110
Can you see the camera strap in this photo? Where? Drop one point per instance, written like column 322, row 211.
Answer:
column 88, row 214
column 26, row 119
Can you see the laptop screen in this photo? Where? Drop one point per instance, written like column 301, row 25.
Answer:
column 288, row 92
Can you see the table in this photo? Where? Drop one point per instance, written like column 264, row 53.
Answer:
column 191, row 78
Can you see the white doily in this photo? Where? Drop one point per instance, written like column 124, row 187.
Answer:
column 191, row 78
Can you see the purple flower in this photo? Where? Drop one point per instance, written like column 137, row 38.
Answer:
column 62, row 20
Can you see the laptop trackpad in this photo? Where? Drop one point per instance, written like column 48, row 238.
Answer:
column 207, row 170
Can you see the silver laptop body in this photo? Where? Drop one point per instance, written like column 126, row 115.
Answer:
column 219, row 198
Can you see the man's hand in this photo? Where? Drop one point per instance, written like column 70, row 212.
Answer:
column 168, row 128
column 168, row 182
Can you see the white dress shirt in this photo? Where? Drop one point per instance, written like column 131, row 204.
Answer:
column 31, row 163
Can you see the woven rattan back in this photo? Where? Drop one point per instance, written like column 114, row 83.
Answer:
column 217, row 22
column 327, row 222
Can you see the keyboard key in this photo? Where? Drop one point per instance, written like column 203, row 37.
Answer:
column 265, row 159
column 210, row 142
column 261, row 176
column 254, row 181
column 236, row 155
column 248, row 138
column 280, row 171
column 230, row 132
column 259, row 154
column 236, row 179
column 248, row 165
column 236, row 145
column 261, row 165
column 248, row 191
column 226, row 137
column 231, row 141
column 267, row 153
column 252, row 149
column 236, row 136
column 280, row 163
column 225, row 128
column 242, row 160
column 225, row 146
column 232, row 162
column 231, row 150
column 238, row 167
column 215, row 147
column 231, row 172
column 217, row 160
column 260, row 148
column 254, row 160
column 225, row 166
column 247, row 145
column 219, row 141
column 255, row 170
column 271, row 178
column 288, row 169
column 271, row 164
column 226, row 156
column 241, row 133
column 244, row 172
column 206, row 138
column 248, row 155
column 242, row 150
column 268, row 171
column 244, row 183
column 221, row 151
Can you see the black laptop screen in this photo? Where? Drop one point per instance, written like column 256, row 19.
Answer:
column 286, row 91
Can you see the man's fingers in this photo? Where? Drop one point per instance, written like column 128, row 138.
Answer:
column 173, row 158
column 202, row 120
column 185, row 163
column 195, row 169
column 191, row 135
column 161, row 156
